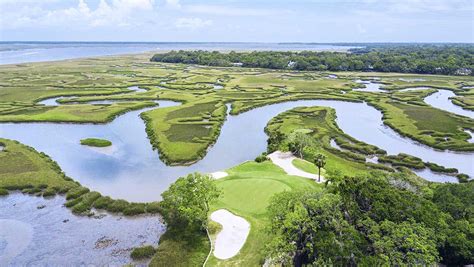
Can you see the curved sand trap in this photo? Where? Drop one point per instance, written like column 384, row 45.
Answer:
column 234, row 232
column 284, row 161
column 219, row 175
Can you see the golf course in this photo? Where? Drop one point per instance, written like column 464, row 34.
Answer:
column 112, row 135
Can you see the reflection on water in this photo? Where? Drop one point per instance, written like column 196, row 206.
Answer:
column 471, row 133
column 134, row 172
column 441, row 100
column 369, row 87
column 333, row 144
column 137, row 89
column 39, row 231
column 436, row 176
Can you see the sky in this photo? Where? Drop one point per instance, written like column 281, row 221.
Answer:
column 319, row 21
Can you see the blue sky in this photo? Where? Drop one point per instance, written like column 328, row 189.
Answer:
column 238, row 21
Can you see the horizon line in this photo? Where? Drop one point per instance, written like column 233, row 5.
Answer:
column 237, row 42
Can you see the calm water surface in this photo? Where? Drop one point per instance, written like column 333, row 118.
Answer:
column 21, row 52
column 131, row 170
column 35, row 231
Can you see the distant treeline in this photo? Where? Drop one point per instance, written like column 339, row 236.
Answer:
column 424, row 59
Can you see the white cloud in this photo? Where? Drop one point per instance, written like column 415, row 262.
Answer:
column 107, row 13
column 173, row 4
column 229, row 10
column 361, row 29
column 192, row 23
column 415, row 6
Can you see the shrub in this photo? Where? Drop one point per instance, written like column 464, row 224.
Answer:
column 134, row 209
column 213, row 227
column 76, row 192
column 118, row 205
column 144, row 252
column 153, row 207
column 261, row 158
column 96, row 142
column 462, row 178
column 72, row 202
column 403, row 160
column 31, row 190
column 3, row 192
column 437, row 168
column 102, row 202
column 81, row 207
column 49, row 192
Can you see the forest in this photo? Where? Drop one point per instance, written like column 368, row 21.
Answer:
column 448, row 59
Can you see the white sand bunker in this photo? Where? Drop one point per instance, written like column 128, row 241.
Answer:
column 284, row 160
column 219, row 175
column 234, row 232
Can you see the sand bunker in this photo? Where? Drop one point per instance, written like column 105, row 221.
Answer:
column 284, row 160
column 219, row 175
column 232, row 237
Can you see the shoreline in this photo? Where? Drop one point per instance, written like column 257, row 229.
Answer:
column 192, row 46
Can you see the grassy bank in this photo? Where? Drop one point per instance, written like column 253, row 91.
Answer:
column 22, row 86
column 320, row 124
column 96, row 142
column 182, row 134
column 430, row 126
column 24, row 169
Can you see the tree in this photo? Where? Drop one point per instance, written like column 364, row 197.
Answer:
column 309, row 228
column 298, row 141
column 407, row 243
column 320, row 162
column 458, row 201
column 187, row 200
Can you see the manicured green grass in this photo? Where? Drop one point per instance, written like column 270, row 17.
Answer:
column 247, row 192
column 96, row 142
column 305, row 166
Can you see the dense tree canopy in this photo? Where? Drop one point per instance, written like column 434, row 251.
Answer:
column 425, row 59
column 187, row 200
column 375, row 220
column 298, row 141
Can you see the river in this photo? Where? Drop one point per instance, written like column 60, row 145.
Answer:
column 131, row 170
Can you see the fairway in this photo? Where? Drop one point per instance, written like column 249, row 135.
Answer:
column 246, row 193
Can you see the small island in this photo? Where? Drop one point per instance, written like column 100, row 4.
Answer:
column 96, row 142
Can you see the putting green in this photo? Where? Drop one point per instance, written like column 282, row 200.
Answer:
column 238, row 192
column 246, row 192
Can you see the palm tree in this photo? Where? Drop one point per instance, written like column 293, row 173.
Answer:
column 320, row 161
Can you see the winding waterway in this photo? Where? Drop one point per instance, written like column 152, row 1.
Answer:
column 131, row 170
column 441, row 99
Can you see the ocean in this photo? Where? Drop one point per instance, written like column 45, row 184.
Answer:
column 22, row 52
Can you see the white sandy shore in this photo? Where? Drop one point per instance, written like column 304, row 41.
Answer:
column 219, row 175
column 284, row 160
column 232, row 237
